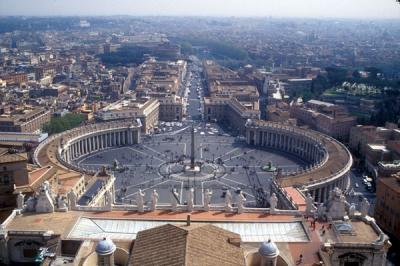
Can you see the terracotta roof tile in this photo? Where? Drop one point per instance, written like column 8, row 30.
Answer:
column 186, row 245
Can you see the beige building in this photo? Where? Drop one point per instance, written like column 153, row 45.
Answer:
column 327, row 118
column 361, row 136
column 280, row 112
column 379, row 146
column 230, row 111
column 159, row 77
column 172, row 108
column 231, row 101
column 25, row 120
column 387, row 207
column 139, row 109
column 15, row 78
column 13, row 172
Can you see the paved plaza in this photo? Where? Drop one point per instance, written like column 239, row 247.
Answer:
column 225, row 162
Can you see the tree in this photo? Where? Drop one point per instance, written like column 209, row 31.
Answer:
column 60, row 124
column 186, row 48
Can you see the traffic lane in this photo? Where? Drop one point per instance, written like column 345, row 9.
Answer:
column 356, row 178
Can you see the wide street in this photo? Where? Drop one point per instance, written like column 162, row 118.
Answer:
column 358, row 190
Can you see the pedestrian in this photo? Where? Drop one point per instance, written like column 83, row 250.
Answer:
column 300, row 260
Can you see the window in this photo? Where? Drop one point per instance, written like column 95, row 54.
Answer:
column 29, row 252
column 5, row 180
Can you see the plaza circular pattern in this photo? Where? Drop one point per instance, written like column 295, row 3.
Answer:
column 162, row 163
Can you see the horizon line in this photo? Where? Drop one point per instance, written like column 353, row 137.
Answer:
column 202, row 16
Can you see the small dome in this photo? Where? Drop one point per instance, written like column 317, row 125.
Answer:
column 249, row 122
column 105, row 247
column 268, row 249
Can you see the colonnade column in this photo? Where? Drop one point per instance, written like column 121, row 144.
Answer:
column 130, row 142
column 87, row 145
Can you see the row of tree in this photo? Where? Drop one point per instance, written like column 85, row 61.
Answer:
column 61, row 124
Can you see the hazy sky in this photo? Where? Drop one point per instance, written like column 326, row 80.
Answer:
column 278, row 8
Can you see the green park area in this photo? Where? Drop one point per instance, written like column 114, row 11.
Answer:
column 61, row 124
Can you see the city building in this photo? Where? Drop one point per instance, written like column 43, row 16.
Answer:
column 361, row 136
column 230, row 100
column 172, row 108
column 280, row 112
column 144, row 110
column 327, row 118
column 295, row 86
column 229, row 111
column 114, row 234
column 14, row 78
column 387, row 208
column 159, row 77
column 379, row 147
column 13, row 172
column 162, row 80
column 25, row 120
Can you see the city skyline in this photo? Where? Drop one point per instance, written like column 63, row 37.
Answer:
column 357, row 9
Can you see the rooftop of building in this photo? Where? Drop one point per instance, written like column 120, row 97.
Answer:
column 377, row 147
column 166, row 227
column 321, row 104
column 393, row 164
column 392, row 183
column 195, row 244
column 63, row 222
column 129, row 104
column 13, row 157
column 68, row 181
column 354, row 231
column 22, row 115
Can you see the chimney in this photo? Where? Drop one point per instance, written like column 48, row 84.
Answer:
column 188, row 220
column 234, row 241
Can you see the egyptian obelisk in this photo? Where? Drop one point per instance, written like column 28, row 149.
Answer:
column 192, row 150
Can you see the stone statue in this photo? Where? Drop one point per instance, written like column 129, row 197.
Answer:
column 154, row 200
column 140, row 200
column 228, row 201
column 309, row 204
column 30, row 204
column 273, row 202
column 336, row 205
column 241, row 199
column 61, row 204
column 108, row 200
column 190, row 199
column 174, row 199
column 321, row 211
column 72, row 199
column 364, row 207
column 45, row 186
column 352, row 210
column 207, row 199
column 44, row 201
column 20, row 201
